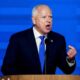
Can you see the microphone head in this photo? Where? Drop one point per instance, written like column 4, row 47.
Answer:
column 47, row 41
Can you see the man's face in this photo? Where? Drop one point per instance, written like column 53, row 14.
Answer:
column 43, row 20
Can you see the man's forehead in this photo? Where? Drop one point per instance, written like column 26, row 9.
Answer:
column 43, row 7
column 45, row 12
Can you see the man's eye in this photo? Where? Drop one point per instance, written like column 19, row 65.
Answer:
column 50, row 16
column 43, row 16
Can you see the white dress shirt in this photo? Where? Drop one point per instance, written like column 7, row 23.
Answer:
column 37, row 39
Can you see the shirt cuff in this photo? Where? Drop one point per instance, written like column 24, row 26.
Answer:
column 70, row 62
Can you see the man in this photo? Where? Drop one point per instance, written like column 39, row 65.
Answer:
column 27, row 55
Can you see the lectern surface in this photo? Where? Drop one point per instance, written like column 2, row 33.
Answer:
column 40, row 77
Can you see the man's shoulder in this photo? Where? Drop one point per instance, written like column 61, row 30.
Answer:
column 56, row 35
column 22, row 34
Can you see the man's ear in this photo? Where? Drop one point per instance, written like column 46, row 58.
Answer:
column 33, row 20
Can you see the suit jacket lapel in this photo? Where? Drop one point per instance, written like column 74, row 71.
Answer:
column 33, row 47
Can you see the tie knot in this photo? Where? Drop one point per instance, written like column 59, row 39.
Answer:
column 42, row 38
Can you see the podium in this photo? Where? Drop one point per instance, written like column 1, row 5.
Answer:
column 41, row 77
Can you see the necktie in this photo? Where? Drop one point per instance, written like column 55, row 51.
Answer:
column 42, row 52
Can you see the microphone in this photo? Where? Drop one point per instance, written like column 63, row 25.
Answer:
column 45, row 66
column 48, row 41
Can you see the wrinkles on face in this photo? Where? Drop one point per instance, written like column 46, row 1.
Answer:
column 43, row 20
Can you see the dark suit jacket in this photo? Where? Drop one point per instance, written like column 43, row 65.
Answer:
column 22, row 55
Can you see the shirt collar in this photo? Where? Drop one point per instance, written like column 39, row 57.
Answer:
column 37, row 34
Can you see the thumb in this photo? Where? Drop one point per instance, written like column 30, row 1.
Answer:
column 70, row 47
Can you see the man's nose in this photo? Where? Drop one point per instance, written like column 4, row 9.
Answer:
column 48, row 21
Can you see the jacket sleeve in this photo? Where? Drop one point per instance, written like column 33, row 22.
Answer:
column 8, row 66
column 62, row 62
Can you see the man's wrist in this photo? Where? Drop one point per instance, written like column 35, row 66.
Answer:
column 71, row 62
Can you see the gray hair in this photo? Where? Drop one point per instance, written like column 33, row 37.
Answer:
column 35, row 11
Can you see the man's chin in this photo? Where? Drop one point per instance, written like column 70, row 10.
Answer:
column 46, row 32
